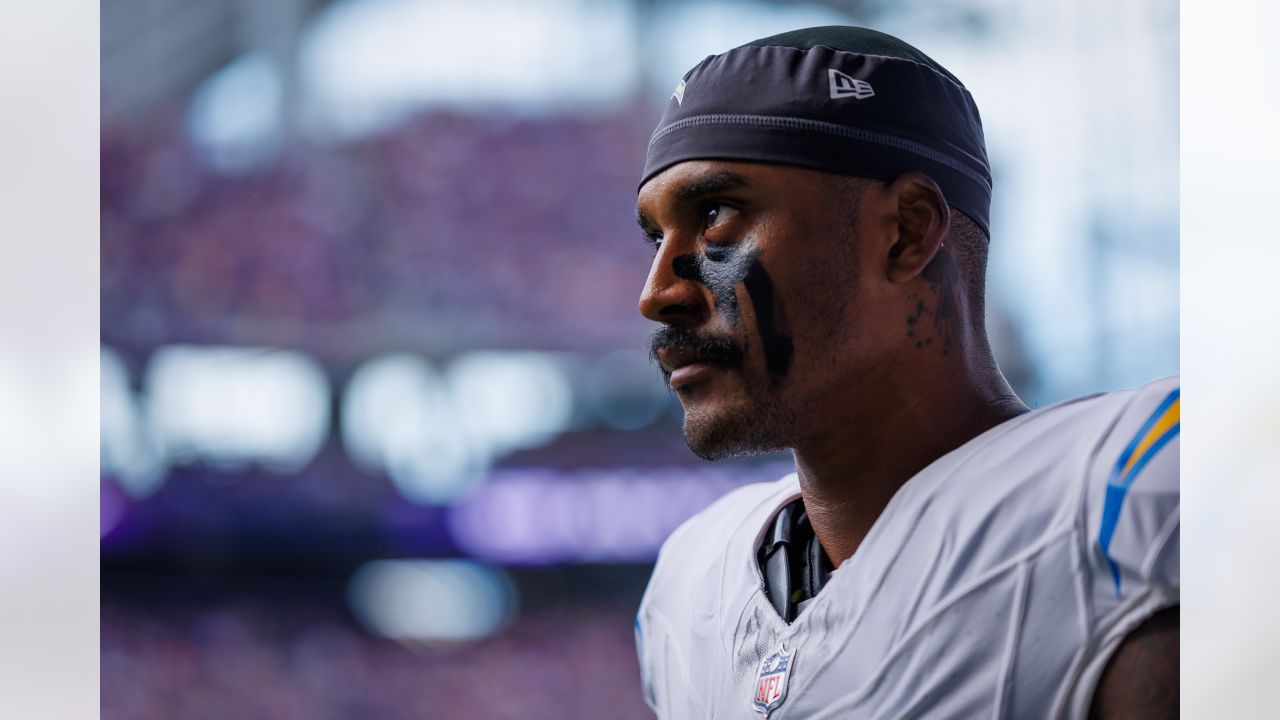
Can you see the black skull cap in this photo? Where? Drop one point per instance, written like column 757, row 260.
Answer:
column 844, row 100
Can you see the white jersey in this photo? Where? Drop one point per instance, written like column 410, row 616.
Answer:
column 996, row 583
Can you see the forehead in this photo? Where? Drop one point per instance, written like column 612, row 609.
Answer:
column 693, row 178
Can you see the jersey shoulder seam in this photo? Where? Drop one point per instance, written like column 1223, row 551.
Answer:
column 658, row 620
column 942, row 606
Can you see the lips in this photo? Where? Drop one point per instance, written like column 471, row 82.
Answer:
column 686, row 375
column 684, row 366
column 673, row 358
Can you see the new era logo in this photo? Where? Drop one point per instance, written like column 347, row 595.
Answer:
column 679, row 93
column 843, row 86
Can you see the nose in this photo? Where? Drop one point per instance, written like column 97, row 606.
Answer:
column 673, row 297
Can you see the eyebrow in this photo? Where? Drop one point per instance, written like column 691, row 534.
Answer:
column 716, row 181
column 645, row 223
column 710, row 183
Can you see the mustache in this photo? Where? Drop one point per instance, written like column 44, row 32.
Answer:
column 713, row 349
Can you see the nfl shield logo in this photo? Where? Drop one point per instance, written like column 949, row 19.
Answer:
column 771, row 685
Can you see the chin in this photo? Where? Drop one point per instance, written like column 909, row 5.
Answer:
column 722, row 432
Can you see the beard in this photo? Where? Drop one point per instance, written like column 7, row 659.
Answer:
column 758, row 425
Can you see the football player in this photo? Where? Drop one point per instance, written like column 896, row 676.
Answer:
column 818, row 202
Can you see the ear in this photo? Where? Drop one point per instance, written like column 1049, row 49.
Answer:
column 922, row 217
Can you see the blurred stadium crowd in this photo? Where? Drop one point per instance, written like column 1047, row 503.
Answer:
column 445, row 234
column 283, row 662
column 473, row 230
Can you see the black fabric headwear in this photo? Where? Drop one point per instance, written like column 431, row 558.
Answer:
column 843, row 100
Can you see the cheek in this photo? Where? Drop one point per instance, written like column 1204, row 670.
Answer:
column 824, row 310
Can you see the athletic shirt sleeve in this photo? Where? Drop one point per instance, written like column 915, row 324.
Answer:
column 663, row 667
column 676, row 629
column 642, row 645
column 1132, row 518
column 669, row 602
column 1130, row 527
column 652, row 638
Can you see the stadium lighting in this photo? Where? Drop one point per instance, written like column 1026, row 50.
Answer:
column 538, row 516
column 511, row 400
column 367, row 63
column 398, row 418
column 236, row 116
column 130, row 449
column 436, row 436
column 424, row 601
column 236, row 405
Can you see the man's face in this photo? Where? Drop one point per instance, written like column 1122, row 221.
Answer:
column 755, row 280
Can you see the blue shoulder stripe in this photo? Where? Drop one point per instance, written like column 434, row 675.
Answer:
column 1164, row 424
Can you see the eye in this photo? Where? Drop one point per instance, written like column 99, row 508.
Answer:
column 716, row 215
column 653, row 240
